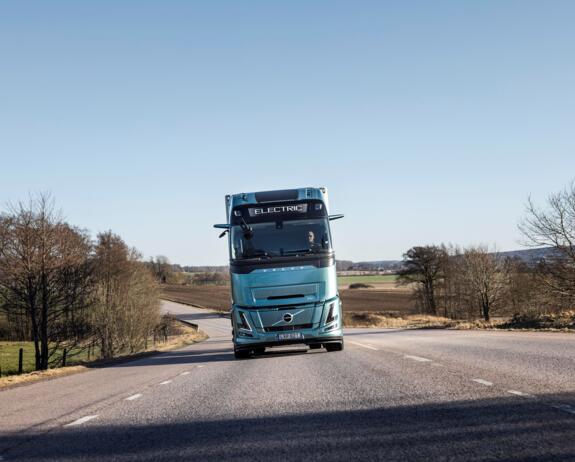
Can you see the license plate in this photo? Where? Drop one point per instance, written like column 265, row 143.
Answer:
column 290, row 336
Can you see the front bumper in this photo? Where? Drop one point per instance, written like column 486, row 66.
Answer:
column 274, row 343
column 325, row 326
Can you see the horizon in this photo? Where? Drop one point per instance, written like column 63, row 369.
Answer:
column 498, row 251
column 140, row 118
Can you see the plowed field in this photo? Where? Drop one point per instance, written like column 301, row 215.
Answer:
column 218, row 297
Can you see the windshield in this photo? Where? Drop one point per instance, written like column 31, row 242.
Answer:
column 281, row 238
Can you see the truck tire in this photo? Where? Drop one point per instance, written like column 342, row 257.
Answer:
column 336, row 346
column 242, row 354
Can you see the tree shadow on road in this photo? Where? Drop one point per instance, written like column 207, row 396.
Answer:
column 510, row 428
column 196, row 356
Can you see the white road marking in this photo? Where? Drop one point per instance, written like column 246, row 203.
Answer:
column 185, row 373
column 81, row 420
column 165, row 382
column 483, row 382
column 418, row 358
column 133, row 397
column 362, row 345
column 519, row 393
column 200, row 366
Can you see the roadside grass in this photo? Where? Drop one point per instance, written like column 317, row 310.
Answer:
column 563, row 322
column 184, row 335
column 548, row 322
column 9, row 353
column 392, row 319
column 366, row 279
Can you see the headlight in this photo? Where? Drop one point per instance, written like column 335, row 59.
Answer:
column 243, row 324
column 331, row 316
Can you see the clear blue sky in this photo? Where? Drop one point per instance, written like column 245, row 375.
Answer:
column 428, row 121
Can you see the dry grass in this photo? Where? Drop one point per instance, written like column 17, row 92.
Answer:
column 186, row 336
column 394, row 320
column 563, row 321
column 478, row 324
column 13, row 380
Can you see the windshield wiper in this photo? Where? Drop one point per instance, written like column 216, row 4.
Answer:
column 247, row 229
column 258, row 254
column 305, row 251
column 297, row 252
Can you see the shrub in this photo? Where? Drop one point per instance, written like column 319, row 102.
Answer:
column 531, row 320
column 360, row 285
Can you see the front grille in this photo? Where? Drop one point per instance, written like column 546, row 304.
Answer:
column 282, row 328
column 284, row 297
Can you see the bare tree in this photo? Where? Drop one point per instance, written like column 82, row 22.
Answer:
column 452, row 287
column 44, row 275
column 487, row 277
column 554, row 226
column 423, row 267
column 162, row 268
column 127, row 297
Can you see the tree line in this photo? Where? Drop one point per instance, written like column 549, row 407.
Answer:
column 475, row 282
column 168, row 273
column 58, row 288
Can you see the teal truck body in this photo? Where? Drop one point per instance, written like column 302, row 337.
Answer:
column 282, row 270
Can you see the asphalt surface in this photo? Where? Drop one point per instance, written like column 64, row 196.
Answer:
column 430, row 395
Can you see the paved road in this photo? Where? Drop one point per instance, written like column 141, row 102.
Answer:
column 390, row 395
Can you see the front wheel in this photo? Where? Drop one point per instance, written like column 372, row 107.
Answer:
column 242, row 354
column 336, row 346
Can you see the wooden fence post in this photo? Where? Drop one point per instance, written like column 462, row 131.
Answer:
column 20, row 360
column 64, row 358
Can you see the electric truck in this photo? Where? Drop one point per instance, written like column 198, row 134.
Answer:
column 282, row 271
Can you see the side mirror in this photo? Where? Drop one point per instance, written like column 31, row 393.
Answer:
column 225, row 227
column 335, row 217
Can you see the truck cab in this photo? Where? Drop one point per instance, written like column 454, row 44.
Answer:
column 282, row 270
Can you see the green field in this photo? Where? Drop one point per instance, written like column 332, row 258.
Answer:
column 367, row 279
column 9, row 357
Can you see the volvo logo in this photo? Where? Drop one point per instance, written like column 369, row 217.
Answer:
column 288, row 317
